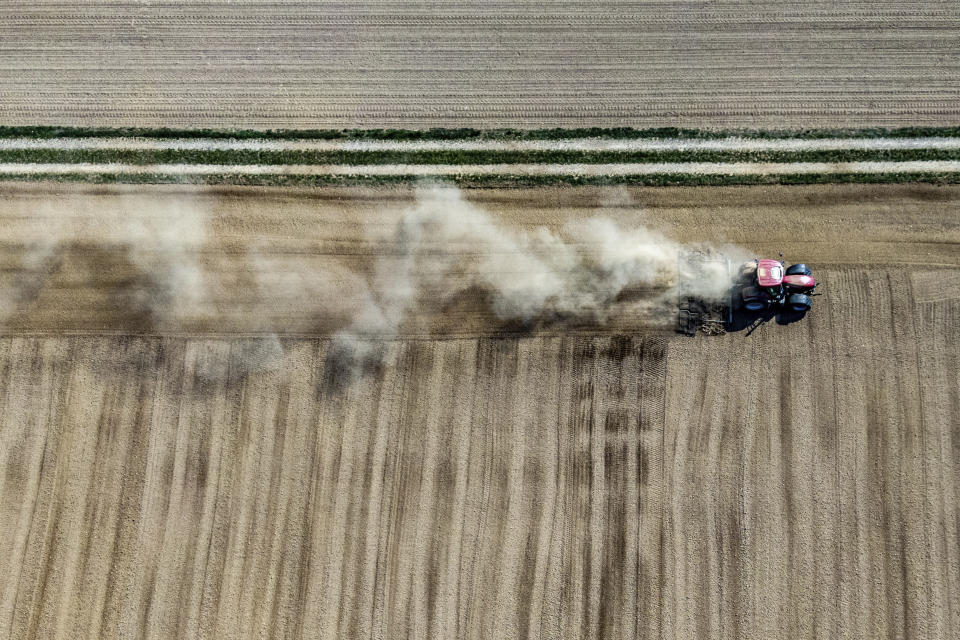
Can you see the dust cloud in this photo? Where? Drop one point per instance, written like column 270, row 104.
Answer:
column 163, row 245
column 445, row 245
column 155, row 247
column 170, row 269
column 529, row 275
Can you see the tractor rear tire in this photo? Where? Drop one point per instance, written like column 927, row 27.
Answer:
column 799, row 302
column 753, row 299
column 798, row 270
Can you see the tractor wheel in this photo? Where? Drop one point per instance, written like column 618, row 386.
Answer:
column 799, row 302
column 798, row 270
column 753, row 299
column 747, row 269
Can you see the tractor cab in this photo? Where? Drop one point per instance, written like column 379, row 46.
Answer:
column 769, row 273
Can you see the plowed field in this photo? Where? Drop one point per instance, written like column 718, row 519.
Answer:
column 394, row 63
column 612, row 481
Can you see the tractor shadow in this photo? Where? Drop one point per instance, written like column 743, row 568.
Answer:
column 749, row 321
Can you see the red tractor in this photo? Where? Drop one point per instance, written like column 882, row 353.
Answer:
column 764, row 289
column 768, row 285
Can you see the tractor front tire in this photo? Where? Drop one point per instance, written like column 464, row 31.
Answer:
column 798, row 270
column 799, row 302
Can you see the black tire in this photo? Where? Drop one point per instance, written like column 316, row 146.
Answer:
column 798, row 270
column 753, row 299
column 799, row 302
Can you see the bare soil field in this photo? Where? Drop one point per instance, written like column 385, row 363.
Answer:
column 393, row 63
column 610, row 481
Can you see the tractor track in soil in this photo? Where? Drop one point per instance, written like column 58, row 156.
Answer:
column 618, row 482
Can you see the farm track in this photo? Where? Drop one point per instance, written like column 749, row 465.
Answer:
column 397, row 64
column 618, row 482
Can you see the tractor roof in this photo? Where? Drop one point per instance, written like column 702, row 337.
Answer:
column 769, row 273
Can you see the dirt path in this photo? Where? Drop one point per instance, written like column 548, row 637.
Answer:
column 393, row 63
column 799, row 482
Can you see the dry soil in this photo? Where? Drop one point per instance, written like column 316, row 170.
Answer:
column 395, row 63
column 605, row 482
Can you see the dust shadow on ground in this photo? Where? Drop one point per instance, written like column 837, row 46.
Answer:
column 129, row 298
column 472, row 309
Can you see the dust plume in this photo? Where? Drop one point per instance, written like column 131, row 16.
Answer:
column 162, row 244
column 150, row 252
column 142, row 263
column 443, row 264
column 30, row 271
column 165, row 243
column 445, row 245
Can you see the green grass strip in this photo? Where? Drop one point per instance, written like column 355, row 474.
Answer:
column 468, row 133
column 456, row 157
column 493, row 181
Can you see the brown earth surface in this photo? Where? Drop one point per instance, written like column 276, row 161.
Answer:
column 395, row 63
column 610, row 481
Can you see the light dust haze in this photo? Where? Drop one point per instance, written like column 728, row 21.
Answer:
column 443, row 247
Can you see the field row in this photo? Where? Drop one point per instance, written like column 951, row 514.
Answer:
column 520, row 64
column 497, row 169
column 471, row 158
column 14, row 135
column 365, row 141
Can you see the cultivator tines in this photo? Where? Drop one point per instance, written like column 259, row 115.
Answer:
column 694, row 313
